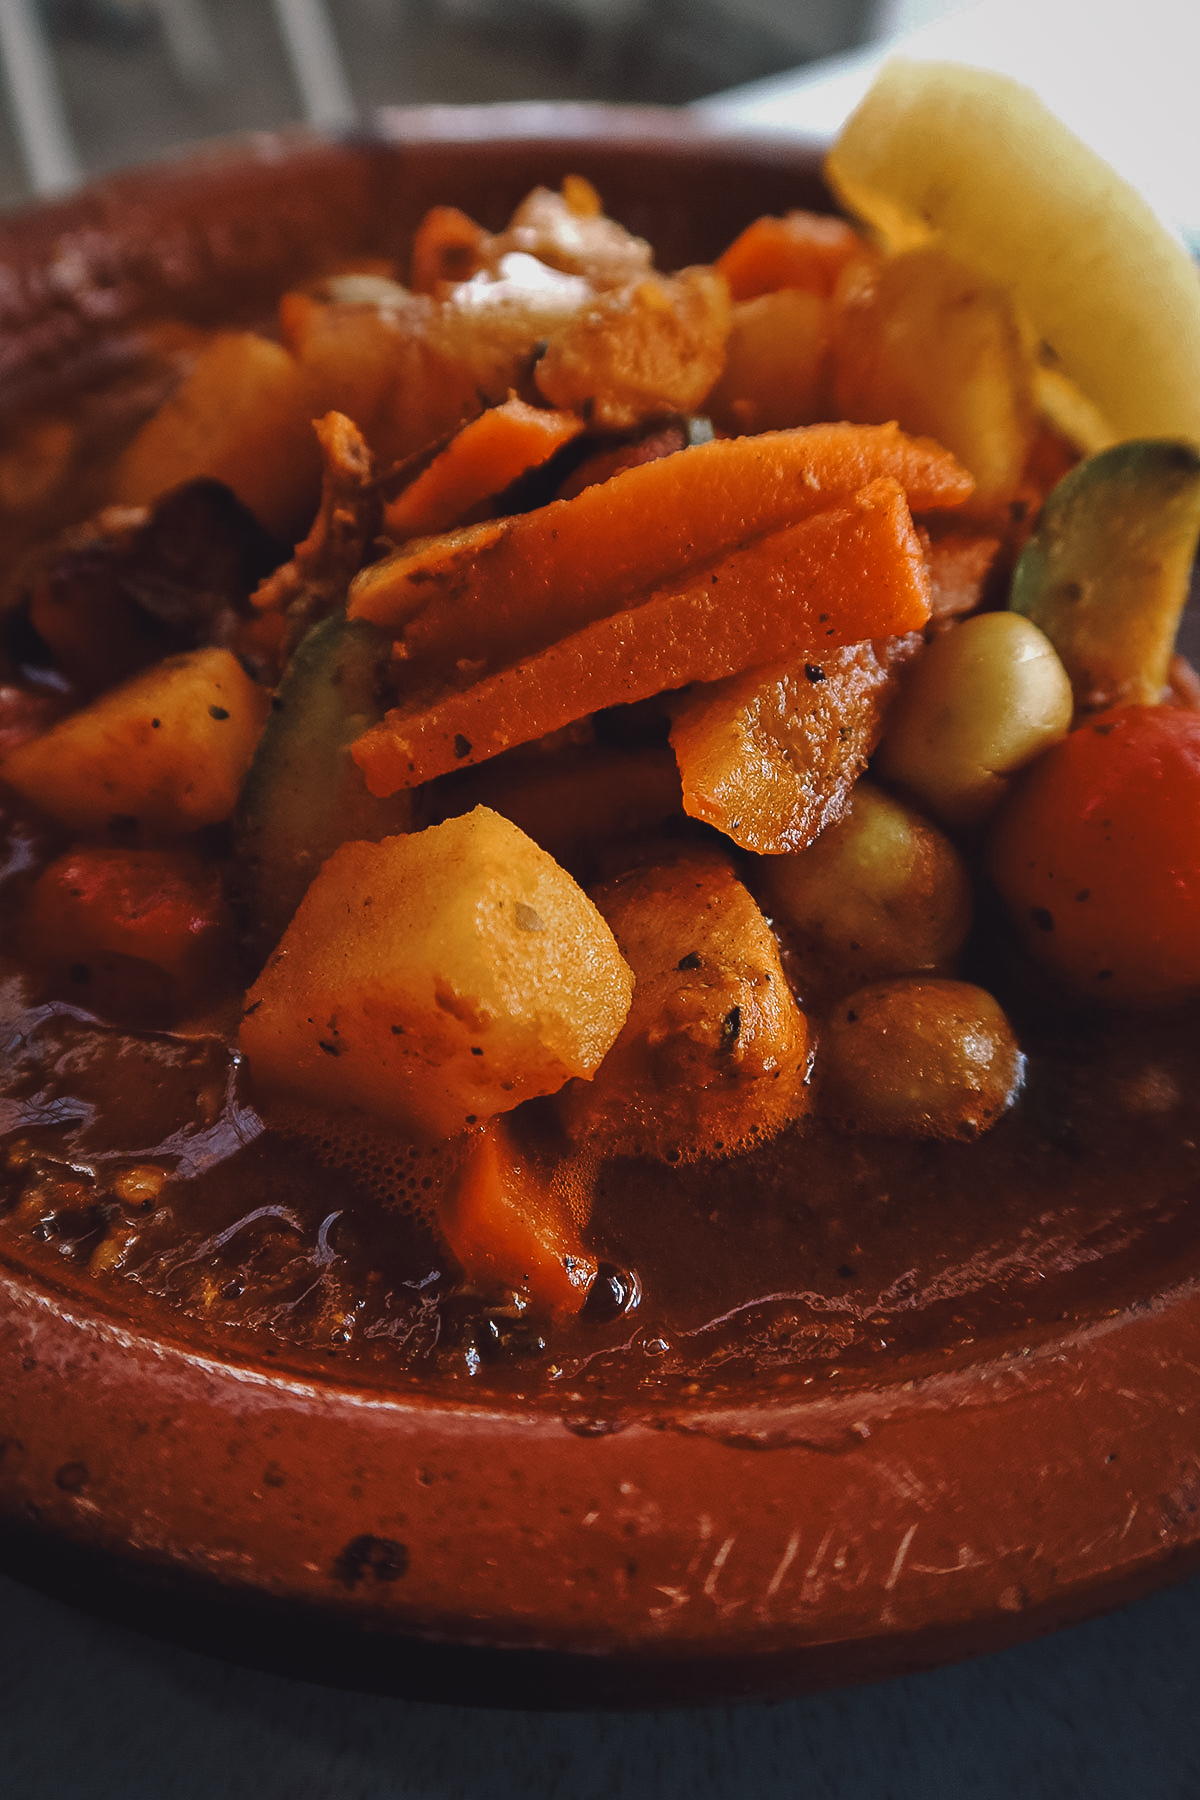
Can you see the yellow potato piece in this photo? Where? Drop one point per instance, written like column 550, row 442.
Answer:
column 438, row 979
column 243, row 416
column 923, row 340
column 656, row 347
column 974, row 161
column 775, row 361
column 166, row 751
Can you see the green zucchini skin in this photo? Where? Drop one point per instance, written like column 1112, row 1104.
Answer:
column 304, row 794
column 1106, row 573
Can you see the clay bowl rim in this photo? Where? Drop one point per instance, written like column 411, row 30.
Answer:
column 702, row 1552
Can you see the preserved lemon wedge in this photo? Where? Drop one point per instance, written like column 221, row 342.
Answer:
column 971, row 160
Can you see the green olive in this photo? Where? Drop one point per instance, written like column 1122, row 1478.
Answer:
column 979, row 703
column 882, row 892
column 920, row 1059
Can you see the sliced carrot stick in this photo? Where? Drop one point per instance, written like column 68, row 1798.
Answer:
column 480, row 460
column 801, row 250
column 501, row 590
column 511, row 1225
column 853, row 572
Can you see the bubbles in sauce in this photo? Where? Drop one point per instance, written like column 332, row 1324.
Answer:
column 405, row 1178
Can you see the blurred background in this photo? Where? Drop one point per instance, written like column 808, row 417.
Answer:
column 90, row 85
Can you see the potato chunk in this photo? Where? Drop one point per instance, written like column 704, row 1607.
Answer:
column 438, row 979
column 243, row 416
column 925, row 340
column 775, row 364
column 166, row 751
column 715, row 1050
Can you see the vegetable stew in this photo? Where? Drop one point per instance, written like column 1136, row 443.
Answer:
column 562, row 873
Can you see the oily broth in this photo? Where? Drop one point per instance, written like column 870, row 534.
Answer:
column 811, row 1257
column 814, row 1257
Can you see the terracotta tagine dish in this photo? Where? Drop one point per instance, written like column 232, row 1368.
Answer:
column 837, row 1404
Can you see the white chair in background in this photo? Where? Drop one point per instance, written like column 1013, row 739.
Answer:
column 316, row 63
column 191, row 42
column 43, row 135
column 39, row 118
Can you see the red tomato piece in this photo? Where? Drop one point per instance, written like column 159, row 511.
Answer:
column 131, row 933
column 1097, row 853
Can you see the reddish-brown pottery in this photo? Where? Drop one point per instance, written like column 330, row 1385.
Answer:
column 1009, row 1472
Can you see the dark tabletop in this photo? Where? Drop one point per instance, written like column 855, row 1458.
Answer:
column 1108, row 1710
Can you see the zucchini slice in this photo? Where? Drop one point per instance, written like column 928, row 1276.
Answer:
column 304, row 794
column 1106, row 573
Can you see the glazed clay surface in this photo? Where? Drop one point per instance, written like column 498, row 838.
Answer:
column 768, row 1536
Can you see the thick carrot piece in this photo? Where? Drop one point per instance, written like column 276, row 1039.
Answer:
column 854, row 572
column 959, row 565
column 771, row 757
column 511, row 1226
column 502, row 590
column 801, row 250
column 480, row 460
